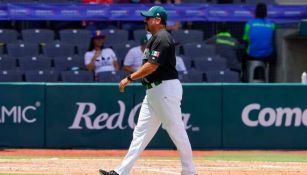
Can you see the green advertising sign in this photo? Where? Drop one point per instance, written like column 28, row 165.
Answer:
column 265, row 116
column 201, row 107
column 22, row 115
column 88, row 116
column 99, row 116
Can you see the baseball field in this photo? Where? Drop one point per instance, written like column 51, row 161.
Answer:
column 152, row 162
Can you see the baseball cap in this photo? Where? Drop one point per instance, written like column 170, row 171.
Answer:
column 98, row 34
column 156, row 11
column 144, row 39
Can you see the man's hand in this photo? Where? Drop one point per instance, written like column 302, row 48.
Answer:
column 122, row 84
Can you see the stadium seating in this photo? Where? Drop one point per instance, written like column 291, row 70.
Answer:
column 115, row 36
column 8, row 36
column 82, row 49
column 111, row 76
column 210, row 64
column 188, row 36
column 2, row 48
column 7, row 63
column 138, row 34
column 75, row 36
column 196, row 50
column 68, row 63
column 22, row 49
column 28, row 63
column 188, row 62
column 222, row 76
column 76, row 76
column 58, row 49
column 121, row 50
column 37, row 36
column 41, row 76
column 192, row 76
column 11, row 76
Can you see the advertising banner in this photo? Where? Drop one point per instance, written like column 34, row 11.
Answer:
column 99, row 116
column 88, row 116
column 264, row 116
column 131, row 12
column 22, row 115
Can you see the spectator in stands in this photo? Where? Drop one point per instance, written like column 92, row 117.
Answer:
column 226, row 46
column 180, row 66
column 258, row 35
column 100, row 59
column 134, row 57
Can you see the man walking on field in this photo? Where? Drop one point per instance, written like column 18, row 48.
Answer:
column 163, row 96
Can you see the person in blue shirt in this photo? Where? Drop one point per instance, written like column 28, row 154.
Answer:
column 258, row 35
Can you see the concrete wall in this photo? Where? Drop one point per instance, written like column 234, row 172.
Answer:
column 291, row 55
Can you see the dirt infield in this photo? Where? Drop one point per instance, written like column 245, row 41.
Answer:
column 92, row 160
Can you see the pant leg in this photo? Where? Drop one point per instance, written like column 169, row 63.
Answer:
column 146, row 128
column 166, row 102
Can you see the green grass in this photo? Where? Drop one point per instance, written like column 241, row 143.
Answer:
column 258, row 157
column 223, row 157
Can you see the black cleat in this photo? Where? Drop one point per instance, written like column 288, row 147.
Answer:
column 103, row 172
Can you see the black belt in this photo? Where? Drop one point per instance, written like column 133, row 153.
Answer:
column 152, row 84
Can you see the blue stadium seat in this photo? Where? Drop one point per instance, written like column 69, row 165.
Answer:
column 77, row 76
column 210, row 63
column 68, row 63
column 196, row 50
column 75, row 36
column 22, row 49
column 8, row 36
column 121, row 50
column 188, row 36
column 38, row 36
column 2, row 49
column 115, row 36
column 7, row 63
column 187, row 62
column 138, row 34
column 41, row 76
column 11, row 76
column 111, row 76
column 222, row 76
column 82, row 49
column 58, row 49
column 192, row 76
column 27, row 63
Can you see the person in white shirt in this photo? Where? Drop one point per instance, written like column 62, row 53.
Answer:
column 99, row 59
column 180, row 66
column 134, row 57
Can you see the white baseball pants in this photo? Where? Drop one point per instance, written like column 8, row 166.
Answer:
column 160, row 105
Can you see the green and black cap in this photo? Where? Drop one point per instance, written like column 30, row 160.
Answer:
column 156, row 12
